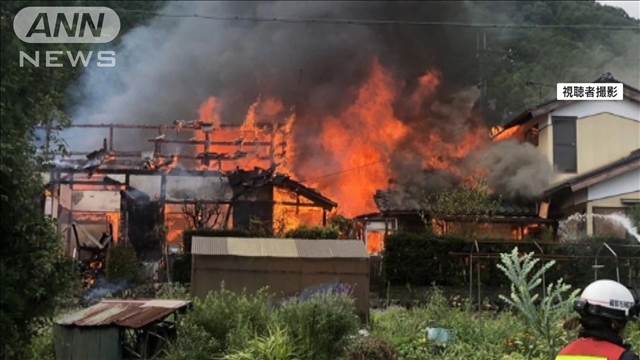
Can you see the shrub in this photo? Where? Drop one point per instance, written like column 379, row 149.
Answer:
column 321, row 325
column 173, row 291
column 422, row 259
column 276, row 345
column 544, row 316
column 313, row 232
column 122, row 264
column 370, row 348
column 478, row 335
column 192, row 343
column 240, row 326
column 230, row 318
column 42, row 346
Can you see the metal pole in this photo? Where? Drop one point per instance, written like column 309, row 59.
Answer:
column 478, row 269
column 544, row 281
column 617, row 264
column 471, row 275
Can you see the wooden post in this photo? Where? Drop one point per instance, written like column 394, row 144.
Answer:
column 111, row 138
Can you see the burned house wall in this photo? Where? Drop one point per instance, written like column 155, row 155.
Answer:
column 253, row 204
column 144, row 224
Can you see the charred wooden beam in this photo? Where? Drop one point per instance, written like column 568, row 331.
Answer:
column 211, row 142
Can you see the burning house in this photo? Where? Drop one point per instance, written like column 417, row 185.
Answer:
column 508, row 221
column 222, row 178
column 328, row 124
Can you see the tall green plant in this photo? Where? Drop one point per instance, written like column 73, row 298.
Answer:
column 276, row 345
column 542, row 314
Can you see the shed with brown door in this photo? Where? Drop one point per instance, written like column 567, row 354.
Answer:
column 288, row 267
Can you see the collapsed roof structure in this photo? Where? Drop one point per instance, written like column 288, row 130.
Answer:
column 220, row 177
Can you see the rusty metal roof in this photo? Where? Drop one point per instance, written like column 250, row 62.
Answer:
column 132, row 314
column 282, row 248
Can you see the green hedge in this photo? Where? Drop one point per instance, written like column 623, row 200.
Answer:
column 313, row 232
column 425, row 259
column 422, row 259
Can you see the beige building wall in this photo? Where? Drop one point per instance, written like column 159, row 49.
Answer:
column 600, row 139
column 613, row 203
column 603, row 138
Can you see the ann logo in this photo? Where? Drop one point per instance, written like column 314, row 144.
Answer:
column 73, row 28
column 66, row 24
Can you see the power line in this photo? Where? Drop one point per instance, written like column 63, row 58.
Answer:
column 373, row 22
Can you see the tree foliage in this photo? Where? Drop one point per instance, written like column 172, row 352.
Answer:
column 33, row 270
column 521, row 66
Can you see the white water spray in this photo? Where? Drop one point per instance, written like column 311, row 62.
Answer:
column 568, row 232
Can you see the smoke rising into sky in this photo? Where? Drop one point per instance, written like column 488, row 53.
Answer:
column 168, row 67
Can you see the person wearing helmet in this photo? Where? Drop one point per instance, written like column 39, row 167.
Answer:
column 604, row 307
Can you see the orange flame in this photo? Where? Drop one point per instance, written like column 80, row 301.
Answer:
column 291, row 211
column 355, row 146
column 361, row 141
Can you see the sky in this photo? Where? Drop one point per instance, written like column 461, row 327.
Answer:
column 632, row 7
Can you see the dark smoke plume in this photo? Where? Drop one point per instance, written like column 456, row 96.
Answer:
column 168, row 67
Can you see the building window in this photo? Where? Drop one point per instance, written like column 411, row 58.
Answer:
column 564, row 143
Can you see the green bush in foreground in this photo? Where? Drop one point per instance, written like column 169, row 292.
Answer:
column 478, row 335
column 240, row 326
column 370, row 348
column 320, row 325
column 276, row 345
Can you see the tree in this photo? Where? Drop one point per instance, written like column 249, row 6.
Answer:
column 202, row 215
column 34, row 273
column 471, row 200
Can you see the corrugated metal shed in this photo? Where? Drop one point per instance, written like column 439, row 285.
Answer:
column 133, row 314
column 280, row 248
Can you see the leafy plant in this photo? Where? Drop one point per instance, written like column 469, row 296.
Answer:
column 42, row 344
column 276, row 345
column 192, row 343
column 229, row 319
column 478, row 335
column 321, row 324
column 370, row 348
column 542, row 314
column 173, row 291
column 242, row 326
